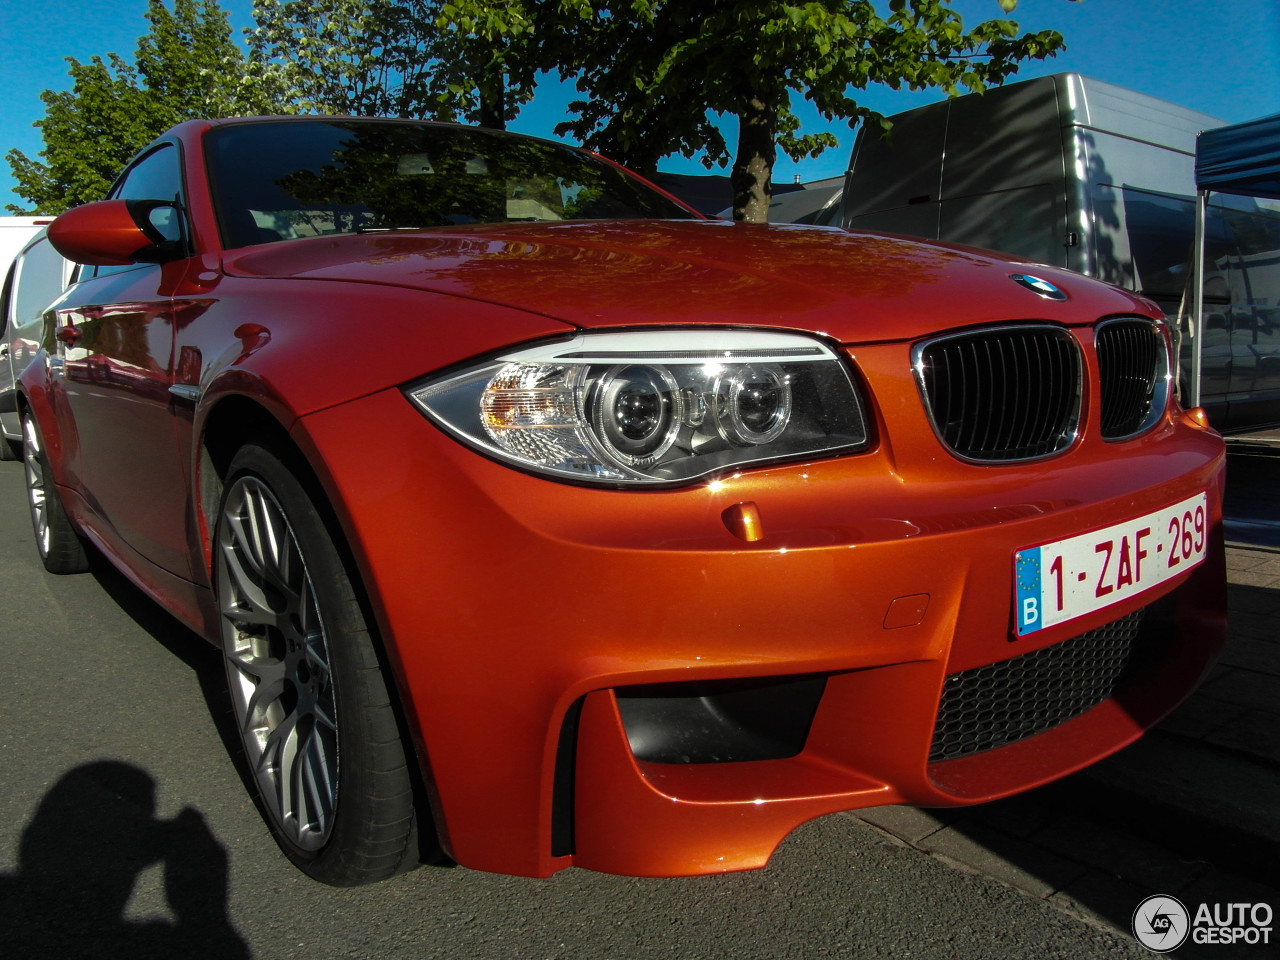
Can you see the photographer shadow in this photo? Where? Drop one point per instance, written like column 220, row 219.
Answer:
column 80, row 857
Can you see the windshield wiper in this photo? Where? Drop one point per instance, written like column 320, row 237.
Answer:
column 389, row 229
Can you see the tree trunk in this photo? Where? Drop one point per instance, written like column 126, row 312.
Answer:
column 752, row 174
column 493, row 98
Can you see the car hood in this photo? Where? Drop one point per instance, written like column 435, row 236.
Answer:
column 847, row 285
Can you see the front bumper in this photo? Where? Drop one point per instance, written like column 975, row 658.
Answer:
column 516, row 610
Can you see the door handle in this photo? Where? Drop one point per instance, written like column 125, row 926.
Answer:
column 68, row 334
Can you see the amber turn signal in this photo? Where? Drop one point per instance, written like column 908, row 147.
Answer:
column 1199, row 416
column 743, row 521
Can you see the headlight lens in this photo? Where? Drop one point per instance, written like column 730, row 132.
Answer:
column 652, row 406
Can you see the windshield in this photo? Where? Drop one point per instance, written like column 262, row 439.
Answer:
column 287, row 179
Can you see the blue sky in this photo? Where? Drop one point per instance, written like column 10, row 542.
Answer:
column 1218, row 56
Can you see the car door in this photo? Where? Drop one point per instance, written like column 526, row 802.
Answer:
column 114, row 338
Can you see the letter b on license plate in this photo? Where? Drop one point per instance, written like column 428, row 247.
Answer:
column 1056, row 582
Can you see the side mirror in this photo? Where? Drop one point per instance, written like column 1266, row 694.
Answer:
column 119, row 232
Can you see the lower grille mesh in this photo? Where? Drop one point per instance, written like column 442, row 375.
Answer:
column 1004, row 702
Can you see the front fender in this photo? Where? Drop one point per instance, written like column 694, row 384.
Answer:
column 300, row 346
column 37, row 393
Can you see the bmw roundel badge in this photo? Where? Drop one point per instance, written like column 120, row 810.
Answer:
column 1042, row 287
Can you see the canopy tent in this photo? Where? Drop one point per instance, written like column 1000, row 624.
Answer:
column 1241, row 159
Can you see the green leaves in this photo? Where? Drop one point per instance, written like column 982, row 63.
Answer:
column 186, row 66
column 659, row 75
column 442, row 59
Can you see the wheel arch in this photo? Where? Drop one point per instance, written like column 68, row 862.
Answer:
column 39, row 403
column 227, row 426
column 231, row 423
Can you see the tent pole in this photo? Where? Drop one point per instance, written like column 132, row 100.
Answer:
column 1197, row 298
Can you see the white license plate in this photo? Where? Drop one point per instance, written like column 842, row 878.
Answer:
column 1056, row 582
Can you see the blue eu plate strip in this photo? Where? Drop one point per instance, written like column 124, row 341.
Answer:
column 1027, row 593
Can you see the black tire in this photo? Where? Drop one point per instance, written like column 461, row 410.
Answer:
column 60, row 546
column 307, row 689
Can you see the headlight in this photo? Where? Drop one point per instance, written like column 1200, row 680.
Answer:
column 652, row 406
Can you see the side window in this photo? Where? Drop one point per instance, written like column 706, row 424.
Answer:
column 157, row 176
column 1160, row 228
column 38, row 283
column 5, row 296
column 1242, row 249
column 1247, row 269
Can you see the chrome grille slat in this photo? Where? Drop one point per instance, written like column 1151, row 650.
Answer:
column 1003, row 394
column 1046, row 388
column 1132, row 364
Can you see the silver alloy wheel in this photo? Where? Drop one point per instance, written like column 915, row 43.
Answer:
column 36, row 496
column 277, row 662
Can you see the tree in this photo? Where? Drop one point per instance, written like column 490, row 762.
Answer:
column 354, row 57
column 660, row 72
column 89, row 133
column 186, row 66
column 471, row 60
column 490, row 54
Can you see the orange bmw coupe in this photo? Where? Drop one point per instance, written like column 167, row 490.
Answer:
column 543, row 520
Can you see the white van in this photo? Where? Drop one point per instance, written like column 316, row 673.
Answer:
column 15, row 232
column 1096, row 178
column 36, row 277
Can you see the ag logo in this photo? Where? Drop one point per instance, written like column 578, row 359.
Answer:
column 1161, row 923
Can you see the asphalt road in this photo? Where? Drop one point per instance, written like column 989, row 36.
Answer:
column 126, row 831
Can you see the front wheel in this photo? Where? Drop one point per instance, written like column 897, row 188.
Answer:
column 60, row 546
column 306, row 685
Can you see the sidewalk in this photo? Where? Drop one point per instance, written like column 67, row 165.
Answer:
column 1193, row 808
